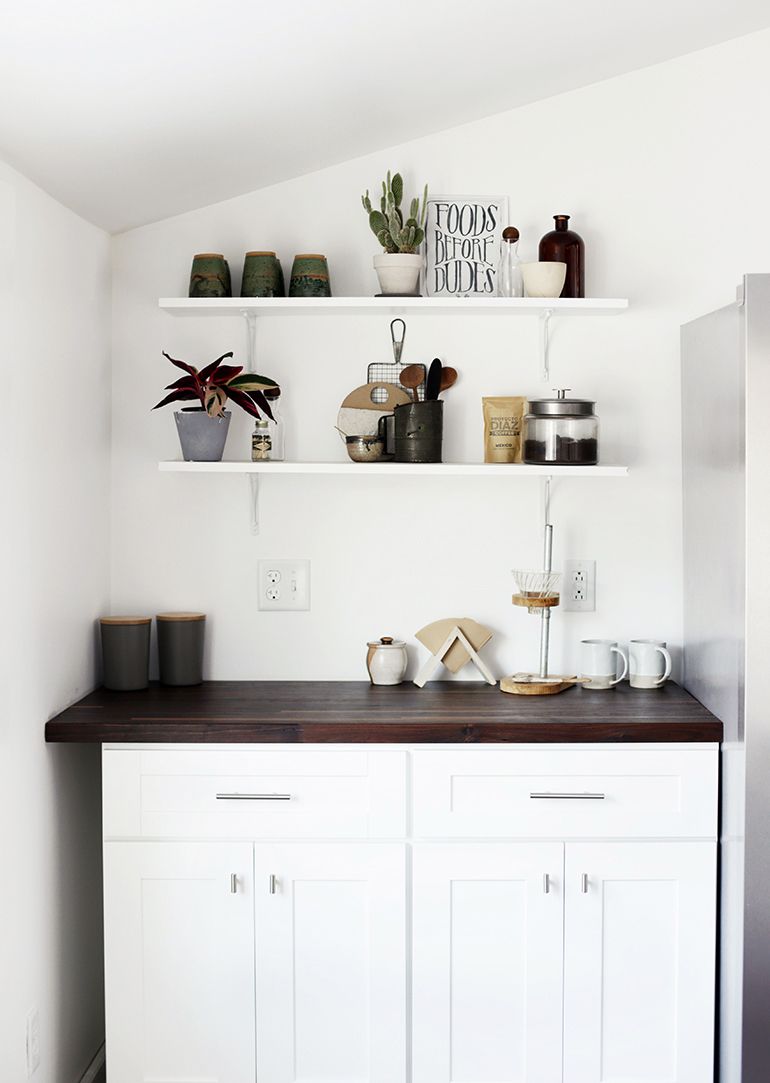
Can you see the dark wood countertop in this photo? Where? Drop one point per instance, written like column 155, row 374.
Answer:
column 354, row 711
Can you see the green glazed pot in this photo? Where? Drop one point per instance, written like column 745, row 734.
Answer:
column 210, row 276
column 309, row 276
column 262, row 276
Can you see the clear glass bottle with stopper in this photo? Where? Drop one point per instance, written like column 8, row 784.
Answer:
column 509, row 280
column 277, row 426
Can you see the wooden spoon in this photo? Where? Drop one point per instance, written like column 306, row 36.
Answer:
column 411, row 377
column 448, row 378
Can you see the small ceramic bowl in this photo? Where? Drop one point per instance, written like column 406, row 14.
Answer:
column 365, row 449
column 544, row 279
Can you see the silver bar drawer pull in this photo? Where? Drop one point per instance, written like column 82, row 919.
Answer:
column 567, row 796
column 546, row 883
column 584, row 883
column 253, row 797
column 273, row 883
column 233, row 883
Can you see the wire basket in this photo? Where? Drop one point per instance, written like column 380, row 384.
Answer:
column 536, row 590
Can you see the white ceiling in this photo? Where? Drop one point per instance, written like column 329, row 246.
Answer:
column 136, row 111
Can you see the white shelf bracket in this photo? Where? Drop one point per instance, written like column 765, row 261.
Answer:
column 251, row 341
column 545, row 341
column 254, row 502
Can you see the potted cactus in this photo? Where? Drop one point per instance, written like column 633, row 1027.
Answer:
column 203, row 429
column 398, row 268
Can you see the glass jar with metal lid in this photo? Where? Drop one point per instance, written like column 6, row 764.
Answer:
column 561, row 432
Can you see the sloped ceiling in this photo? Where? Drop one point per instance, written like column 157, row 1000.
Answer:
column 133, row 112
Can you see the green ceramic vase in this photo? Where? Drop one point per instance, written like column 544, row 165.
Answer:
column 262, row 276
column 210, row 276
column 309, row 276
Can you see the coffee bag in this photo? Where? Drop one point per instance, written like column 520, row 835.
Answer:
column 502, row 428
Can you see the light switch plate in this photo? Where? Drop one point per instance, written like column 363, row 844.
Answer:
column 284, row 585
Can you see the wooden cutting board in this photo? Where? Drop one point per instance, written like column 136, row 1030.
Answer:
column 359, row 414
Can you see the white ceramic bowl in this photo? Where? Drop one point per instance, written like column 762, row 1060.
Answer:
column 543, row 279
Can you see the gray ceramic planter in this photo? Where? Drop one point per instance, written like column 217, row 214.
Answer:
column 202, row 437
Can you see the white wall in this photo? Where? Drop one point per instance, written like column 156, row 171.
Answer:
column 54, row 542
column 666, row 177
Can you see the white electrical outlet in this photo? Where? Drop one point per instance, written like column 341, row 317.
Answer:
column 284, row 584
column 33, row 1042
column 578, row 588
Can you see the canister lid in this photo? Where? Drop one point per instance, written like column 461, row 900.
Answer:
column 386, row 641
column 561, row 406
column 260, row 253
column 125, row 620
column 180, row 616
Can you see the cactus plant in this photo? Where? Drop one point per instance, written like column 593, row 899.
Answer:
column 394, row 233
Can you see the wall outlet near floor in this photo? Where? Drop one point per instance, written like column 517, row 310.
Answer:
column 284, row 584
column 578, row 588
column 33, row 1042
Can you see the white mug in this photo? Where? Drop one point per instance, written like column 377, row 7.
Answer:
column 650, row 663
column 599, row 665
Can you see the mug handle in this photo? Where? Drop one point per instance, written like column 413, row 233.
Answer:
column 624, row 674
column 667, row 672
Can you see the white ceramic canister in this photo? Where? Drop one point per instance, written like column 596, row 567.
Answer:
column 386, row 661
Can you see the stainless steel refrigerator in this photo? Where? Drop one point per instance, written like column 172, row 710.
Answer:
column 726, row 490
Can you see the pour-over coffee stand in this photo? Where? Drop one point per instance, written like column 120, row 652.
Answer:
column 537, row 592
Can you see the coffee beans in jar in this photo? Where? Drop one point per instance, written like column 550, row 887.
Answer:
column 561, row 432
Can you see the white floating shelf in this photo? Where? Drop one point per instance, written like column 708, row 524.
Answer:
column 368, row 306
column 391, row 469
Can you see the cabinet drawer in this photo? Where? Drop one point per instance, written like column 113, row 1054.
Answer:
column 566, row 793
column 245, row 793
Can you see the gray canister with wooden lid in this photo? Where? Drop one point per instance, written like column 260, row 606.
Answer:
column 125, row 653
column 180, row 647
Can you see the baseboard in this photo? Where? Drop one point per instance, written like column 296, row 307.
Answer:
column 93, row 1069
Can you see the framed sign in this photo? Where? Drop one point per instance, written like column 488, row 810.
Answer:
column 462, row 245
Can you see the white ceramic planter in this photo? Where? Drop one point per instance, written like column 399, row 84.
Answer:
column 398, row 272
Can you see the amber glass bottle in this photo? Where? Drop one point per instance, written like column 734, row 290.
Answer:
column 565, row 246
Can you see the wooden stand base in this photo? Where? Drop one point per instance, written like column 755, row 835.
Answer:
column 529, row 684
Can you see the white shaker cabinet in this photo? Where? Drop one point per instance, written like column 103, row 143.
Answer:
column 179, row 959
column 331, row 962
column 422, row 913
column 487, row 962
column 640, row 929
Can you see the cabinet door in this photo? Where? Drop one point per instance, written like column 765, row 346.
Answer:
column 639, row 962
column 331, row 962
column 487, row 971
column 179, row 959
